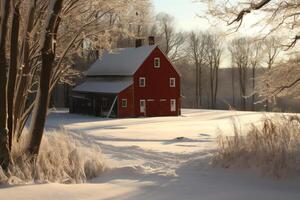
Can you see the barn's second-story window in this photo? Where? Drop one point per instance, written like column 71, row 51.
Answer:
column 157, row 62
column 172, row 82
column 124, row 103
column 142, row 82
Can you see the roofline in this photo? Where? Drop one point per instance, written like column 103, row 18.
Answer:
column 107, row 76
column 156, row 46
column 95, row 92
column 113, row 93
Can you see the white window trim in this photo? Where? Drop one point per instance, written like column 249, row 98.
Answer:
column 174, row 81
column 124, row 101
column 173, row 108
column 157, row 59
column 140, row 79
column 144, row 107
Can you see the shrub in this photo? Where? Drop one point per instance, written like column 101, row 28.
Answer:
column 62, row 158
column 273, row 147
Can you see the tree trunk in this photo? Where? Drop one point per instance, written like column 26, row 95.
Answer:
column 243, row 79
column 4, row 150
column 23, row 79
column 197, row 85
column 245, row 89
column 13, row 69
column 232, row 85
column 216, row 85
column 267, row 101
column 253, row 89
column 200, row 85
column 211, row 85
column 42, row 99
column 267, row 105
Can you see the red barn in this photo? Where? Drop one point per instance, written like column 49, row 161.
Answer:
column 131, row 82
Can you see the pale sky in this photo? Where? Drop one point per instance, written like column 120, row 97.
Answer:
column 184, row 11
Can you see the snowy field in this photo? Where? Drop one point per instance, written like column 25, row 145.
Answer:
column 163, row 158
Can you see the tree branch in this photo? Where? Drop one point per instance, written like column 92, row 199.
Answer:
column 245, row 11
column 282, row 88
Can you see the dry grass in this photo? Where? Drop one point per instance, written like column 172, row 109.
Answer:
column 62, row 159
column 273, row 148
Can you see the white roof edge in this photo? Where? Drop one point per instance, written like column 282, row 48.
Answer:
column 103, row 86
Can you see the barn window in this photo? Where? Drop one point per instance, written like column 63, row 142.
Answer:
column 142, row 82
column 157, row 62
column 172, row 82
column 124, row 103
column 173, row 105
column 142, row 106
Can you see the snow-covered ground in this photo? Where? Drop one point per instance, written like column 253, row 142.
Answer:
column 163, row 158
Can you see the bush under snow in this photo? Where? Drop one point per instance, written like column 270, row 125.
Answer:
column 62, row 158
column 273, row 148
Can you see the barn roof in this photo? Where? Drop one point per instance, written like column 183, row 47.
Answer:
column 123, row 62
column 104, row 85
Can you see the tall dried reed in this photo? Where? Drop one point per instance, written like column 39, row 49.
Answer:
column 62, row 158
column 273, row 147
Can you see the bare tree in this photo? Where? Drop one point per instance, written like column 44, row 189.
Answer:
column 47, row 49
column 197, row 53
column 233, row 71
column 278, row 16
column 272, row 49
column 170, row 41
column 4, row 147
column 214, row 50
column 240, row 53
column 281, row 80
column 14, row 52
column 256, row 55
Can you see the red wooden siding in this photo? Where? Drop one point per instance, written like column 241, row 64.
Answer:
column 129, row 110
column 157, row 92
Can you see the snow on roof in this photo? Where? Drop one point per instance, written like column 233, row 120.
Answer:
column 122, row 62
column 104, row 85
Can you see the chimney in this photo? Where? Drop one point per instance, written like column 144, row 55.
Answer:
column 138, row 43
column 151, row 40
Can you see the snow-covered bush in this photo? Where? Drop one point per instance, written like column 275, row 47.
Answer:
column 273, row 148
column 63, row 158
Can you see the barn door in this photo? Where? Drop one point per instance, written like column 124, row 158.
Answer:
column 152, row 108
column 142, row 106
column 173, row 105
column 163, row 107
